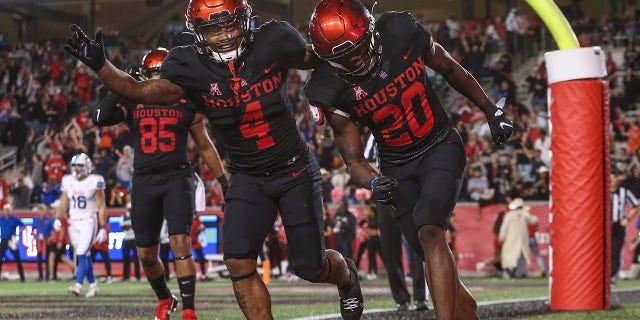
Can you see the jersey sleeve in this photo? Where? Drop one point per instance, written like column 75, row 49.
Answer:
column 287, row 40
column 322, row 96
column 179, row 66
column 66, row 183
column 99, row 182
column 404, row 28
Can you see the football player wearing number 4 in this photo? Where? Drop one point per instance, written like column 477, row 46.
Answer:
column 163, row 183
column 83, row 195
column 375, row 74
column 236, row 76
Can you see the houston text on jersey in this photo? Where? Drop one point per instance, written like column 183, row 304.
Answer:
column 254, row 92
column 160, row 112
column 392, row 89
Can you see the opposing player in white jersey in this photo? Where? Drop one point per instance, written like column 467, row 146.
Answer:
column 83, row 195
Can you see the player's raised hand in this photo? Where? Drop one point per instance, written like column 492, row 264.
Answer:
column 88, row 51
column 383, row 188
column 501, row 127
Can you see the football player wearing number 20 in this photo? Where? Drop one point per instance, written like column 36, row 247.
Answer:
column 83, row 195
column 163, row 181
column 374, row 73
column 236, row 76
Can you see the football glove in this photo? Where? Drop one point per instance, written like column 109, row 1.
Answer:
column 88, row 51
column 501, row 127
column 57, row 224
column 383, row 188
column 101, row 236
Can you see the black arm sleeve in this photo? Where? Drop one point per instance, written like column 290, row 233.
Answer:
column 107, row 114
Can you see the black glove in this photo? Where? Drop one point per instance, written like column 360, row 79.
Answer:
column 90, row 52
column 383, row 188
column 136, row 73
column 501, row 127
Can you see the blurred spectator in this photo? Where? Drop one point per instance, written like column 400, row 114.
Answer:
column 50, row 191
column 275, row 247
column 514, row 236
column 165, row 249
column 533, row 246
column 478, row 188
column 124, row 167
column 197, row 242
column 20, row 193
column 344, row 229
column 103, row 249
column 119, row 195
column 58, row 247
column 496, row 260
column 10, row 230
column 328, row 225
column 55, row 167
column 326, row 184
column 129, row 251
column 621, row 197
column 43, row 232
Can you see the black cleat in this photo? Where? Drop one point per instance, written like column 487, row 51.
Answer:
column 351, row 301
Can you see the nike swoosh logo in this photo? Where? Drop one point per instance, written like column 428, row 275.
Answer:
column 295, row 174
column 406, row 56
column 504, row 124
column 98, row 115
column 268, row 70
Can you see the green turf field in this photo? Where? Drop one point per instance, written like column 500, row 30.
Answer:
column 215, row 300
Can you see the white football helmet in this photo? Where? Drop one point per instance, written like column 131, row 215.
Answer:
column 81, row 166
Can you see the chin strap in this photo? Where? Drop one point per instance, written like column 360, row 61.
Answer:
column 235, row 80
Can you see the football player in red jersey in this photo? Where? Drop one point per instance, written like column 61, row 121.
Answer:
column 236, row 76
column 163, row 180
column 374, row 73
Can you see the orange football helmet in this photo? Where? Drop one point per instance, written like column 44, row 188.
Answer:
column 342, row 33
column 211, row 16
column 152, row 61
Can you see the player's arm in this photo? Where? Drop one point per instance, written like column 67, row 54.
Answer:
column 91, row 53
column 308, row 61
column 109, row 112
column 207, row 150
column 61, row 210
column 462, row 81
column 438, row 59
column 347, row 138
column 99, row 197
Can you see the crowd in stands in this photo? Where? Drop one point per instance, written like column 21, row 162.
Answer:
column 45, row 98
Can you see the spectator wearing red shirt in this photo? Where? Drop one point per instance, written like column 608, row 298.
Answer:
column 56, row 67
column 58, row 246
column 82, row 119
column 55, row 167
column 83, row 84
column 197, row 227
column 4, row 191
column 103, row 249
